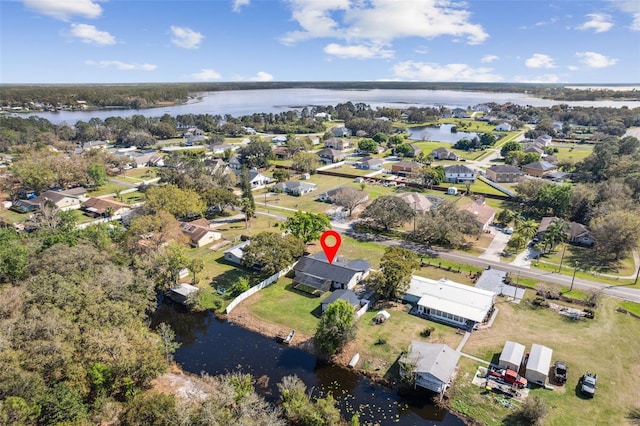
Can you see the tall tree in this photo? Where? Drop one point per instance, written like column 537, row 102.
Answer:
column 182, row 203
column 306, row 162
column 396, row 266
column 350, row 199
column 257, row 153
column 336, row 327
column 271, row 252
column 307, row 226
column 616, row 232
column 386, row 212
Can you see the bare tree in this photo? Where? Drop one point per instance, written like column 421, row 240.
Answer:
column 350, row 198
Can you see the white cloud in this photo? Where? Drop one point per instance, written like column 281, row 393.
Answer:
column 596, row 60
column 65, row 9
column 545, row 78
column 239, row 4
column 123, row 66
column 262, row 76
column 573, row 68
column 538, row 60
column 410, row 70
column 206, row 74
column 357, row 51
column 91, row 35
column 598, row 22
column 382, row 21
column 489, row 58
column 186, row 37
column 632, row 7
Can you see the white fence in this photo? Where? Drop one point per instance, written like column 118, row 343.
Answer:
column 362, row 310
column 253, row 290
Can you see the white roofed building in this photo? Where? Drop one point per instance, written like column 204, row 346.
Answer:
column 450, row 302
column 538, row 364
column 432, row 365
column 511, row 356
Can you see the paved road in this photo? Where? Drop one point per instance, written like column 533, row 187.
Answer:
column 621, row 292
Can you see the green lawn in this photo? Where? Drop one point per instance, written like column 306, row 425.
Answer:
column 574, row 154
column 140, row 173
column 131, row 197
column 109, row 188
column 631, row 307
column 351, row 169
column 13, row 217
column 584, row 345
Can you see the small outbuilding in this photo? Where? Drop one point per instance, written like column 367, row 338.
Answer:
column 381, row 317
column 342, row 294
column 182, row 293
column 433, row 365
column 538, row 364
column 511, row 356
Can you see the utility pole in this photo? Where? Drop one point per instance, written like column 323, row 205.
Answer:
column 562, row 258
column 575, row 269
column 637, row 274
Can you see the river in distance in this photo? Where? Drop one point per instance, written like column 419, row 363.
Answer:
column 215, row 346
column 246, row 102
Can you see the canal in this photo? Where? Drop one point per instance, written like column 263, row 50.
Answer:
column 215, row 346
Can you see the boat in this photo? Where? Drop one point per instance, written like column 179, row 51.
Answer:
column 354, row 360
column 287, row 340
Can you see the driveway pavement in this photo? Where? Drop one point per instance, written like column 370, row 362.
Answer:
column 500, row 240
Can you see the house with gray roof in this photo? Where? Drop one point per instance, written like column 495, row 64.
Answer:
column 342, row 294
column 459, row 174
column 328, row 196
column 538, row 168
column 432, row 364
column 60, row 199
column 329, row 155
column 504, row 173
column 369, row 163
column 341, row 132
column 295, row 187
column 443, row 153
column 235, row 253
column 314, row 274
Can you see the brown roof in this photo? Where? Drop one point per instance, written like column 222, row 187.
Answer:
column 482, row 211
column 416, row 201
column 100, row 205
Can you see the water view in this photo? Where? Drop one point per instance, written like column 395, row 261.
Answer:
column 246, row 102
column 216, row 347
column 441, row 133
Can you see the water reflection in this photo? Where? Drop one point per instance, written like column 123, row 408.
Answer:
column 216, row 347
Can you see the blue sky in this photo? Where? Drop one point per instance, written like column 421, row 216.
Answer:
column 122, row 41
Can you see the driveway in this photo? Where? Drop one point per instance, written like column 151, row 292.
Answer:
column 495, row 249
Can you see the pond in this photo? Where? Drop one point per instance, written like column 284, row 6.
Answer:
column 439, row 134
column 216, row 346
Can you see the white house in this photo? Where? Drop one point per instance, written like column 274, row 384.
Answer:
column 450, row 302
column 538, row 364
column 503, row 127
column 235, row 253
column 459, row 174
column 433, row 365
column 199, row 232
column 279, row 140
column 257, row 179
column 295, row 187
column 511, row 356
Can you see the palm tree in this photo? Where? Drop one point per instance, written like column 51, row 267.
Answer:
column 556, row 233
column 527, row 228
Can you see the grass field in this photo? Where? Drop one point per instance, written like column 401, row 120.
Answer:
column 574, row 154
column 605, row 345
column 109, row 188
column 13, row 217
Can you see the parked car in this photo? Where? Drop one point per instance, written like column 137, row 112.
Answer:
column 560, row 372
column 588, row 384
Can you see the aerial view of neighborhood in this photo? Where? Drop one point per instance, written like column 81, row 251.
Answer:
column 359, row 239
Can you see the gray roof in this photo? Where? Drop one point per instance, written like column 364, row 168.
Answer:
column 458, row 168
column 291, row 185
column 337, row 271
column 52, row 196
column 185, row 289
column 329, row 152
column 237, row 249
column 347, row 295
column 540, row 165
column 505, row 168
column 436, row 359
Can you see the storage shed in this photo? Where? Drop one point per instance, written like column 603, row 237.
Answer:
column 511, row 356
column 538, row 364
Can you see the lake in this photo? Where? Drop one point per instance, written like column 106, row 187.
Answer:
column 441, row 133
column 246, row 102
column 216, row 346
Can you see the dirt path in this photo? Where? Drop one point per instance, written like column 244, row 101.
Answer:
column 242, row 316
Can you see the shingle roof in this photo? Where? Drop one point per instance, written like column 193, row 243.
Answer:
column 436, row 359
column 347, row 295
column 505, row 168
column 341, row 273
column 458, row 168
column 540, row 165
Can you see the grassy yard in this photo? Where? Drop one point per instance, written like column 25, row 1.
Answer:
column 13, row 217
column 574, row 154
column 131, row 197
column 141, row 173
column 351, row 169
column 109, row 188
column 584, row 345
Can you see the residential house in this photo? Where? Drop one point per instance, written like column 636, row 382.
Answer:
column 196, row 140
column 234, row 163
column 557, row 176
column 60, row 199
column 405, row 168
column 415, row 150
column 432, row 364
column 235, row 253
column 329, row 155
column 503, row 127
column 483, row 213
column 295, row 187
column 450, row 302
column 443, row 153
column 279, row 140
column 532, row 148
column 341, row 132
column 482, row 108
column 418, row 202
column 23, row 206
column 342, row 294
column 503, row 173
column 322, row 116
column 221, row 148
column 315, row 274
column 105, row 207
column 460, row 113
column 199, row 232
column 369, row 163
column 544, row 140
column 249, row 130
column 257, row 179
column 193, row 131
column 459, row 174
column 328, row 196
column 282, row 153
column 335, row 143
column 580, row 235
column 538, row 168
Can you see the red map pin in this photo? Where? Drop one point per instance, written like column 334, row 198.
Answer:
column 330, row 249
